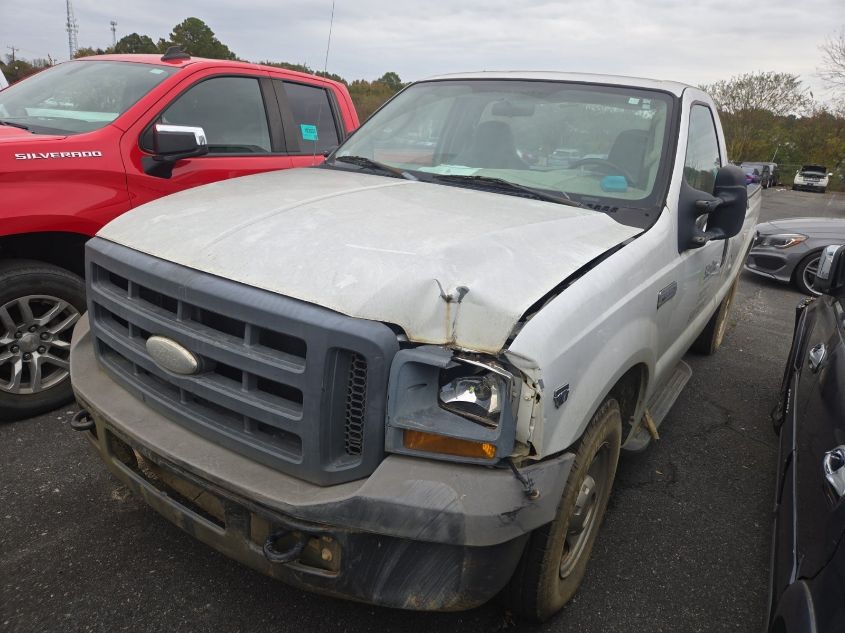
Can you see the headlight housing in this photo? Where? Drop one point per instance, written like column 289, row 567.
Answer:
column 781, row 240
column 451, row 406
column 474, row 392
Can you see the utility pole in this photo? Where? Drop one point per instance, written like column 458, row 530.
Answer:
column 113, row 33
column 14, row 50
column 72, row 28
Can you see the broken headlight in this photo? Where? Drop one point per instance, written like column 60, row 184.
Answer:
column 478, row 396
column 451, row 406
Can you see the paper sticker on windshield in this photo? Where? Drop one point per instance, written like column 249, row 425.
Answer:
column 309, row 132
column 633, row 100
column 156, row 71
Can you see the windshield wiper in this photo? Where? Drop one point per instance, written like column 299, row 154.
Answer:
column 374, row 165
column 11, row 124
column 486, row 182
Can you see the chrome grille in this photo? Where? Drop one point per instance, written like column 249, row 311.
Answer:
column 294, row 386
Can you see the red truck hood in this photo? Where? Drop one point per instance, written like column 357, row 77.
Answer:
column 9, row 134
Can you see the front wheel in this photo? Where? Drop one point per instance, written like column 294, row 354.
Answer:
column 555, row 558
column 805, row 274
column 711, row 337
column 39, row 305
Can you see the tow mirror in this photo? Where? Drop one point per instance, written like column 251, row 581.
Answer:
column 830, row 276
column 725, row 209
column 172, row 143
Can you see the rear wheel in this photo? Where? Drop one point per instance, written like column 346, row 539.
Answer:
column 805, row 274
column 711, row 337
column 39, row 305
column 555, row 559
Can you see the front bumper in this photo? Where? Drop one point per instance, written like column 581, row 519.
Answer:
column 416, row 534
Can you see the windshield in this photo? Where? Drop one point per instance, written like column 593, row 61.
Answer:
column 815, row 169
column 78, row 96
column 589, row 144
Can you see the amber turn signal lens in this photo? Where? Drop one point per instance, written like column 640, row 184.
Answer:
column 431, row 443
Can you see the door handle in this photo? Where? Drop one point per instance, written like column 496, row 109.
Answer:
column 833, row 464
column 816, row 357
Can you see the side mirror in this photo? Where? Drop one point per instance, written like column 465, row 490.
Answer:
column 172, row 143
column 725, row 209
column 830, row 276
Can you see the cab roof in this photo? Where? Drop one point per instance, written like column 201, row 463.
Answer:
column 155, row 59
column 672, row 87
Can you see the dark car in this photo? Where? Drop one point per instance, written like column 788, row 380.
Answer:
column 807, row 582
column 788, row 250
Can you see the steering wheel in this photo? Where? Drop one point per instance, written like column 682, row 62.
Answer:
column 603, row 162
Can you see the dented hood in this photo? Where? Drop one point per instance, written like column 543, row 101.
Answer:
column 378, row 248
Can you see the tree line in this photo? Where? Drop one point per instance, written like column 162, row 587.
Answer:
column 767, row 116
column 196, row 37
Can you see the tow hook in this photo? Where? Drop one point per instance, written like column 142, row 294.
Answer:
column 288, row 555
column 82, row 421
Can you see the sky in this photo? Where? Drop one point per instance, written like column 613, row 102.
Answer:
column 692, row 41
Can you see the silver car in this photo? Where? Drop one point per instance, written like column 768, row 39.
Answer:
column 788, row 250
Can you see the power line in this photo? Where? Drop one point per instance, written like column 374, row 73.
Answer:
column 14, row 50
column 113, row 33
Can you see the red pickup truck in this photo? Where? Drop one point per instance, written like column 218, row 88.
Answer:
column 87, row 140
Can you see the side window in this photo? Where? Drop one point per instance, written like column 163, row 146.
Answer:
column 313, row 118
column 703, row 159
column 229, row 109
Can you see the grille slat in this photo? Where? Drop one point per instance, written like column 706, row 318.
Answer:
column 261, row 406
column 266, row 387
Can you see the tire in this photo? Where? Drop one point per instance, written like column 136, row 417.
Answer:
column 39, row 305
column 711, row 337
column 555, row 558
column 794, row 188
column 805, row 271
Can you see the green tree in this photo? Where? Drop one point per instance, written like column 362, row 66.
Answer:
column 196, row 38
column 20, row 68
column 134, row 43
column 750, row 106
column 88, row 51
column 392, row 80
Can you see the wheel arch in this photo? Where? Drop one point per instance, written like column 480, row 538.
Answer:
column 59, row 248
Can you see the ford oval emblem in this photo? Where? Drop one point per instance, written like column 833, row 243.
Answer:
column 170, row 355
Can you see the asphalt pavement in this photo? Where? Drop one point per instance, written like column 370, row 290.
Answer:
column 684, row 547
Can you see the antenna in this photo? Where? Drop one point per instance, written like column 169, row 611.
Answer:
column 113, row 33
column 72, row 28
column 329, row 43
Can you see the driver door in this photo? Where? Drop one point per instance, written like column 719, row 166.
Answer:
column 242, row 122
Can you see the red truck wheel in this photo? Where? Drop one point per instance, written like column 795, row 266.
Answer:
column 39, row 305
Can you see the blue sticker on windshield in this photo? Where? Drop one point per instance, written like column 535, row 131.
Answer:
column 309, row 132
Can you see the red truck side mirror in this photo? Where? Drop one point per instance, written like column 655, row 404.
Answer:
column 172, row 143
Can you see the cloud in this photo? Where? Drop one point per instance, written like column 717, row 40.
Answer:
column 691, row 42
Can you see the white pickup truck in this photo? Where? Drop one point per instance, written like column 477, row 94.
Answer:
column 405, row 377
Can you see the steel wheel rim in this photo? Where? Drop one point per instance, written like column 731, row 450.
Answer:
column 35, row 333
column 810, row 271
column 584, row 520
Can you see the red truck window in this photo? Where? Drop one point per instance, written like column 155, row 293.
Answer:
column 230, row 110
column 314, row 123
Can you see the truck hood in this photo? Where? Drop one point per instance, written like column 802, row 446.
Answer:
column 9, row 134
column 448, row 265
